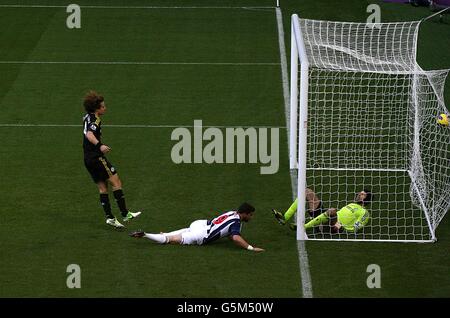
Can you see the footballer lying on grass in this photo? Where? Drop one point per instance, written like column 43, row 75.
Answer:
column 202, row 232
column 350, row 218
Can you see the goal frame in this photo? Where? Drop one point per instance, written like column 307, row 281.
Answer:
column 299, row 90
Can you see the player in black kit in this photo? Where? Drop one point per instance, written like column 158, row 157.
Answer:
column 100, row 169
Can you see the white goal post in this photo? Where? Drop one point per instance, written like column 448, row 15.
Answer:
column 363, row 115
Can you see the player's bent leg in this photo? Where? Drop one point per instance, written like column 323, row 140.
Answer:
column 116, row 184
column 321, row 219
column 291, row 211
column 104, row 201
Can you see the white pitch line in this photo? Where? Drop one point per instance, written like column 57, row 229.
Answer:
column 135, row 126
column 122, row 7
column 302, row 253
column 138, row 63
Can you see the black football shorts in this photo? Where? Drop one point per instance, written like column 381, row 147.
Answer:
column 100, row 169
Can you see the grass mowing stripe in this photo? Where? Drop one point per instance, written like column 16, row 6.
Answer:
column 14, row 33
column 135, row 126
column 135, row 63
column 302, row 253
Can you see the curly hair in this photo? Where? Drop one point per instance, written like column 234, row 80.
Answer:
column 92, row 101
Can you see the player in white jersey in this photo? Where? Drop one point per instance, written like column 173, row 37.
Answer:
column 202, row 232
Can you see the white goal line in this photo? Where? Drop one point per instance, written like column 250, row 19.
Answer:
column 130, row 7
column 370, row 240
column 137, row 126
column 139, row 63
column 359, row 169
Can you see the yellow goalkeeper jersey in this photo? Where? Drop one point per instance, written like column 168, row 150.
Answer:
column 353, row 217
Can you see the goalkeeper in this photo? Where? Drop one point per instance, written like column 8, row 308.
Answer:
column 350, row 218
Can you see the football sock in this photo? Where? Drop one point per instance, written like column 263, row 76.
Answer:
column 120, row 199
column 104, row 201
column 291, row 211
column 159, row 238
column 176, row 232
column 321, row 219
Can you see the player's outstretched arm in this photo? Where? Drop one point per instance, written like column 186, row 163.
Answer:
column 242, row 243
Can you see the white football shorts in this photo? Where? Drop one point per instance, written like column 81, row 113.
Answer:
column 197, row 231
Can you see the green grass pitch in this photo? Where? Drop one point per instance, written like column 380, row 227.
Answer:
column 50, row 212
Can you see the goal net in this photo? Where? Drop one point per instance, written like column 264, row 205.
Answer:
column 363, row 116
